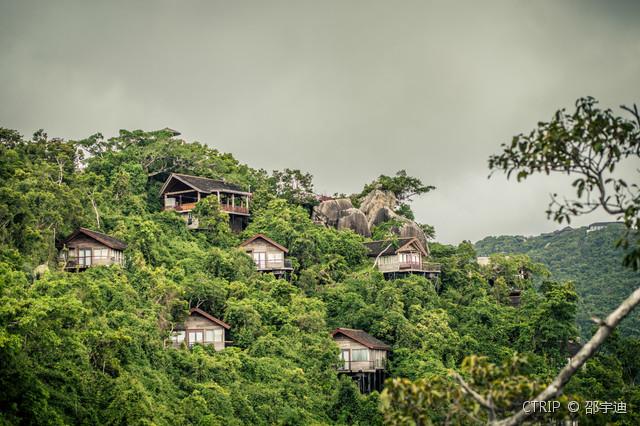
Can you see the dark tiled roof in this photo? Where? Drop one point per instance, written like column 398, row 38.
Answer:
column 362, row 337
column 265, row 238
column 208, row 185
column 386, row 246
column 209, row 317
column 105, row 239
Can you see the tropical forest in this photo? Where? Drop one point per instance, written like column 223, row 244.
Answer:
column 466, row 343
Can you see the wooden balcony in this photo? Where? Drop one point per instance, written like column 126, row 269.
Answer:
column 88, row 262
column 348, row 366
column 417, row 266
column 187, row 207
column 273, row 265
column 234, row 209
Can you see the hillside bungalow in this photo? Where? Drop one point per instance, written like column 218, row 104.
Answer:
column 201, row 328
column 181, row 192
column 398, row 258
column 86, row 248
column 268, row 255
column 362, row 356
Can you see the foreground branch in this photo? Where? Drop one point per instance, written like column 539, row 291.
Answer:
column 486, row 403
column 588, row 350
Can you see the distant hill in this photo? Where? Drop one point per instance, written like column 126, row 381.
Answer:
column 585, row 255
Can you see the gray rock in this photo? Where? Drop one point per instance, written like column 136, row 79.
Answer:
column 376, row 208
column 355, row 220
column 412, row 229
column 383, row 214
column 376, row 200
column 329, row 212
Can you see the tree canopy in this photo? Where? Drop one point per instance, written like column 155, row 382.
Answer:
column 92, row 347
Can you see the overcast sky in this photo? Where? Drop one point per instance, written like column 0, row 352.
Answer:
column 343, row 89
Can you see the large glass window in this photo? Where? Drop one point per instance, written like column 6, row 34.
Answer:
column 195, row 336
column 260, row 258
column 101, row 254
column 409, row 258
column 345, row 356
column 359, row 355
column 84, row 257
column 275, row 258
column 218, row 335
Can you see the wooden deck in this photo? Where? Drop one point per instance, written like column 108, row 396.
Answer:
column 187, row 207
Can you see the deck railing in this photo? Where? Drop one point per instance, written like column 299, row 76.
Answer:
column 377, row 364
column 224, row 207
column 272, row 264
column 417, row 266
column 234, row 209
column 89, row 261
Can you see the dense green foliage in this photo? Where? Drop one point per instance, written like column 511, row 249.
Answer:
column 589, row 259
column 91, row 347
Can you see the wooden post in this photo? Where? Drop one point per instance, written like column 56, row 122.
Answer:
column 198, row 192
column 233, row 202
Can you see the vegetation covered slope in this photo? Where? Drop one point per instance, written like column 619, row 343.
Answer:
column 589, row 259
column 91, row 347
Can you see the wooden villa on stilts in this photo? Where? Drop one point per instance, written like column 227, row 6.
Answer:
column 401, row 257
column 181, row 192
column 268, row 256
column 86, row 248
column 362, row 357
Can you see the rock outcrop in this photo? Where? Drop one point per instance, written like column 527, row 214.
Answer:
column 379, row 206
column 412, row 229
column 355, row 220
column 329, row 212
column 376, row 208
column 341, row 214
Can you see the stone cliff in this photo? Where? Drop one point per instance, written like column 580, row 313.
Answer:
column 376, row 208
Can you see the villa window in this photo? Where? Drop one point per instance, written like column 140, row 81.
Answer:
column 195, row 336
column 84, row 257
column 275, row 258
column 359, row 355
column 101, row 254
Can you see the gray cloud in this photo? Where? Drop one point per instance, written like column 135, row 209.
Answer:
column 345, row 90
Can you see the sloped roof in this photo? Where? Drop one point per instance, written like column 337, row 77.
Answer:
column 388, row 247
column 362, row 337
column 267, row 239
column 105, row 239
column 209, row 317
column 203, row 184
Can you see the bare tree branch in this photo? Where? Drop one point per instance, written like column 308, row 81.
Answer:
column 588, row 350
column 486, row 403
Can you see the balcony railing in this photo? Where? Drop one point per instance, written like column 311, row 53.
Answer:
column 87, row 262
column 377, row 364
column 185, row 207
column 263, row 265
column 417, row 266
column 234, row 209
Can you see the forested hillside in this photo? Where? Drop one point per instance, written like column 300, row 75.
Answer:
column 92, row 347
column 589, row 259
